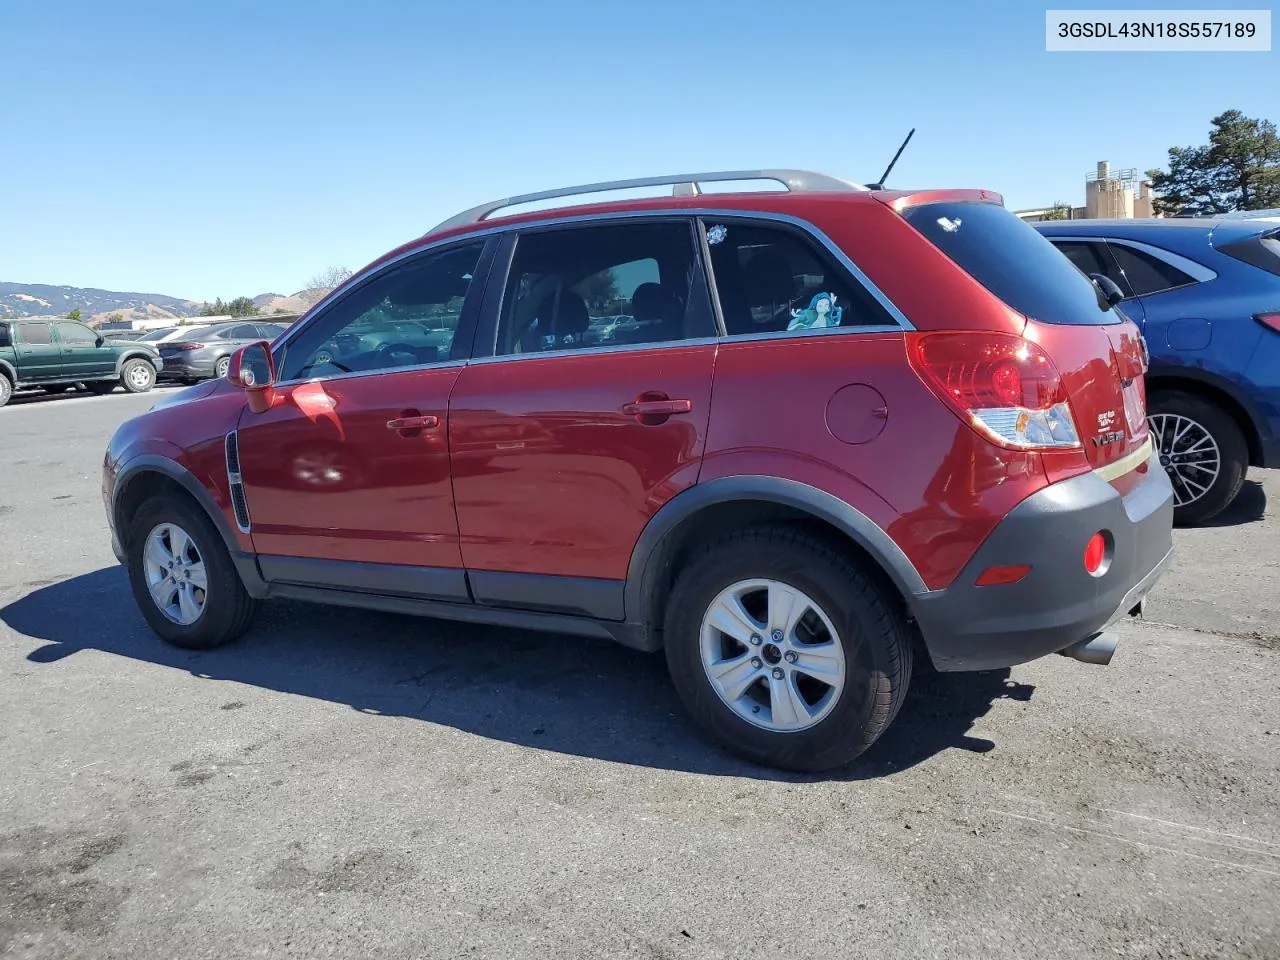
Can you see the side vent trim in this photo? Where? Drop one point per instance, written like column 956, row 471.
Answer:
column 239, row 502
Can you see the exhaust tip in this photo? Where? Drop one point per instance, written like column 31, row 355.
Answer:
column 1097, row 649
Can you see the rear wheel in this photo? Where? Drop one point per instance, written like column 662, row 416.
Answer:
column 182, row 576
column 6, row 389
column 221, row 367
column 1203, row 451
column 785, row 651
column 138, row 375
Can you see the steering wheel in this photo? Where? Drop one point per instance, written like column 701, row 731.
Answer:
column 385, row 350
column 325, row 358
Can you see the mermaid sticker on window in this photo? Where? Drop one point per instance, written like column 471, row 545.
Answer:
column 821, row 312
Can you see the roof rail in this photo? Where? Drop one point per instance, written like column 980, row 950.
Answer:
column 685, row 185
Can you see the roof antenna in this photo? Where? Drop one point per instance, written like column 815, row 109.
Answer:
column 879, row 184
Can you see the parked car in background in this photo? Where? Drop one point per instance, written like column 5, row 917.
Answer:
column 815, row 424
column 123, row 334
column 165, row 333
column 1206, row 294
column 55, row 355
column 199, row 352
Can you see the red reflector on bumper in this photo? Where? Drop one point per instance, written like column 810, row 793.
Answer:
column 994, row 576
column 1095, row 552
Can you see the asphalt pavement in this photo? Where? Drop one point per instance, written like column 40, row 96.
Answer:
column 349, row 784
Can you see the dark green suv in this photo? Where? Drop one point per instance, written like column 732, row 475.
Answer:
column 55, row 355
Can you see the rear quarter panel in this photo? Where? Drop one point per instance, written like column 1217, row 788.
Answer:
column 781, row 406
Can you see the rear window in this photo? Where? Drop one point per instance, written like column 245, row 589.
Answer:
column 1261, row 251
column 1012, row 260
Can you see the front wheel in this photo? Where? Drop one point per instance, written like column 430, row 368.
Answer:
column 138, row 376
column 182, row 576
column 785, row 651
column 1203, row 451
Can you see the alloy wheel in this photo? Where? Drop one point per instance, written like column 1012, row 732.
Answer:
column 772, row 655
column 1189, row 455
column 175, row 574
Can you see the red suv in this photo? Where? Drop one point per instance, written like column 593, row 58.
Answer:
column 792, row 437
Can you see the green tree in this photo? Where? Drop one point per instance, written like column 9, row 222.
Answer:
column 1059, row 211
column 215, row 309
column 1238, row 169
column 74, row 315
column 115, row 317
column 600, row 290
column 242, row 307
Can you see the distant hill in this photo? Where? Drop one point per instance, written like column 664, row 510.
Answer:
column 39, row 299
column 43, row 300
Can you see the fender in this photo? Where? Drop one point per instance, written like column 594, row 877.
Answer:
column 8, row 369
column 1170, row 371
column 817, row 503
column 246, row 563
column 128, row 355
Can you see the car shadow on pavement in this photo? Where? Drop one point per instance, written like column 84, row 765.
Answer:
column 547, row 691
column 1249, row 506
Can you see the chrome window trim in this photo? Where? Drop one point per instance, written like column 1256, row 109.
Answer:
column 1196, row 271
column 428, row 245
column 819, row 332
column 593, row 351
column 355, row 374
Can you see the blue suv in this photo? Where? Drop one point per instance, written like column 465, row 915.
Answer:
column 1206, row 293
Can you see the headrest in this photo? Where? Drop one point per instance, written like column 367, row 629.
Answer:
column 571, row 320
column 767, row 278
column 652, row 301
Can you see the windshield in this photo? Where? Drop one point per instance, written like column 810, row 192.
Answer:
column 1012, row 260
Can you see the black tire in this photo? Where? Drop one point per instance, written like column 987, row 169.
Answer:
column 59, row 388
column 1233, row 452
column 872, row 631
column 6, row 389
column 138, row 375
column 102, row 387
column 228, row 610
column 221, row 367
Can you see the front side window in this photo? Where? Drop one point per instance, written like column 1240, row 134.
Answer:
column 76, row 334
column 37, row 333
column 601, row 286
column 1147, row 274
column 406, row 317
column 771, row 279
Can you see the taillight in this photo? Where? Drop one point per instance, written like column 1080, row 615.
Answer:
column 1271, row 320
column 184, row 347
column 1006, row 387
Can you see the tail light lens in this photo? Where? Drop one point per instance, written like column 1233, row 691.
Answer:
column 1006, row 387
column 185, row 347
column 1271, row 320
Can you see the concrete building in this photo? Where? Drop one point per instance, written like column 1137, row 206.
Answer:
column 1108, row 194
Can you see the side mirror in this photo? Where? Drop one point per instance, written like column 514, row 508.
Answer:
column 1110, row 289
column 253, row 370
column 101, row 340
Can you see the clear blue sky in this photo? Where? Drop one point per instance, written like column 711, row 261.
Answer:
column 223, row 147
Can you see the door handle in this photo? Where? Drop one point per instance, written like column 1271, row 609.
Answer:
column 413, row 423
column 657, row 408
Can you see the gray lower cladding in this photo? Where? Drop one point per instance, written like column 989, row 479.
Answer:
column 968, row 627
column 577, row 605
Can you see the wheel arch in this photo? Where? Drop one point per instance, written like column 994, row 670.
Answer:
column 7, row 370
column 127, row 355
column 1218, row 391
column 149, row 475
column 730, row 503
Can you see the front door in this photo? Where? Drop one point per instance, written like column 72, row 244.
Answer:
column 347, row 475
column 39, row 357
column 82, row 356
column 589, row 415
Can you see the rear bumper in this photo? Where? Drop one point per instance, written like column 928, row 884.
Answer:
column 176, row 369
column 1058, row 604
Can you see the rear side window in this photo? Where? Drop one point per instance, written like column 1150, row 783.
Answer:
column 1147, row 274
column 771, row 279
column 39, row 333
column 5, row 339
column 1012, row 260
column 1262, row 251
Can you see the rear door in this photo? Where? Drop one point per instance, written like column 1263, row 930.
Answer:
column 571, row 429
column 82, row 355
column 1098, row 350
column 39, row 356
